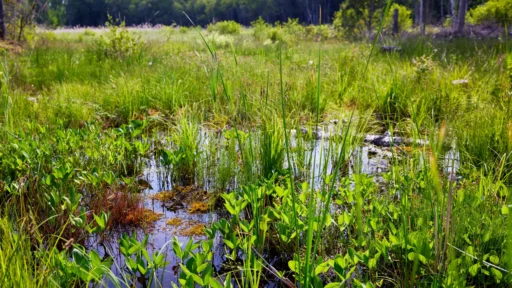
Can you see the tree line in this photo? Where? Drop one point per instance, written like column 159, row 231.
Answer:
column 201, row 12
column 351, row 15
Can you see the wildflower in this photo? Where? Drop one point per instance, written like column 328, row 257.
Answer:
column 150, row 63
column 310, row 62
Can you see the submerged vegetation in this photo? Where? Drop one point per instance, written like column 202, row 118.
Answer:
column 259, row 142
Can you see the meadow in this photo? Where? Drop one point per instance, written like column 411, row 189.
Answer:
column 246, row 157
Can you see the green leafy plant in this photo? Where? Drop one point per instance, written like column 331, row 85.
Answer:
column 225, row 27
column 118, row 43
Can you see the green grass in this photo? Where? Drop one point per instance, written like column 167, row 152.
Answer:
column 81, row 118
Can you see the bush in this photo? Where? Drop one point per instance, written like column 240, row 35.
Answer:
column 225, row 27
column 184, row 29
column 293, row 28
column 261, row 28
column 276, row 35
column 347, row 23
column 404, row 17
column 447, row 23
column 118, row 43
column 497, row 11
column 310, row 30
column 320, row 32
column 323, row 32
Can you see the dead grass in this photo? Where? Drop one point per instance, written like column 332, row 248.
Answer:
column 11, row 47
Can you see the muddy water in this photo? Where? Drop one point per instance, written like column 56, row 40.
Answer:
column 366, row 159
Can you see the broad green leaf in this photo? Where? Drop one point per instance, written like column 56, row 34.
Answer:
column 293, row 265
column 322, row 268
column 496, row 274
column 473, row 270
column 504, row 209
column 494, row 259
column 333, row 285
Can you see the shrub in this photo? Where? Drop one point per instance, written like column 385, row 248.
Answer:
column 347, row 23
column 447, row 23
column 118, row 43
column 404, row 17
column 275, row 35
column 323, row 32
column 310, row 30
column 293, row 28
column 261, row 28
column 225, row 27
column 320, row 32
column 498, row 11
column 184, row 29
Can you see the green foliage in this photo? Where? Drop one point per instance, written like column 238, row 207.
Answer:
column 119, row 43
column 77, row 131
column 187, row 151
column 89, row 33
column 261, row 28
column 225, row 28
column 320, row 32
column 293, row 28
column 447, row 23
column 184, row 29
column 498, row 11
column 348, row 23
column 271, row 152
column 404, row 17
column 137, row 258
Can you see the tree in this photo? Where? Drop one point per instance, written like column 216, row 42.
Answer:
column 421, row 21
column 2, row 21
column 454, row 14
column 463, row 6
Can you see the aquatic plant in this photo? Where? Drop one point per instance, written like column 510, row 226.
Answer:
column 84, row 132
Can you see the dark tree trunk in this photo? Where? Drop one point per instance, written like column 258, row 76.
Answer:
column 463, row 4
column 370, row 17
column 442, row 11
column 454, row 16
column 2, row 21
column 396, row 29
column 422, row 25
column 416, row 14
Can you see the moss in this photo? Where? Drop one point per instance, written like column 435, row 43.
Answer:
column 198, row 207
column 174, row 222
column 163, row 196
column 194, row 230
column 141, row 216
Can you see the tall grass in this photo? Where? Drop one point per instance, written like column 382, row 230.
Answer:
column 78, row 128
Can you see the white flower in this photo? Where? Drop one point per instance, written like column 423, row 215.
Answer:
column 310, row 62
column 150, row 63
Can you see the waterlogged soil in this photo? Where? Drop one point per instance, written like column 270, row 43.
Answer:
column 183, row 211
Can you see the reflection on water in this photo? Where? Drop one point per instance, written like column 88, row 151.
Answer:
column 319, row 155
